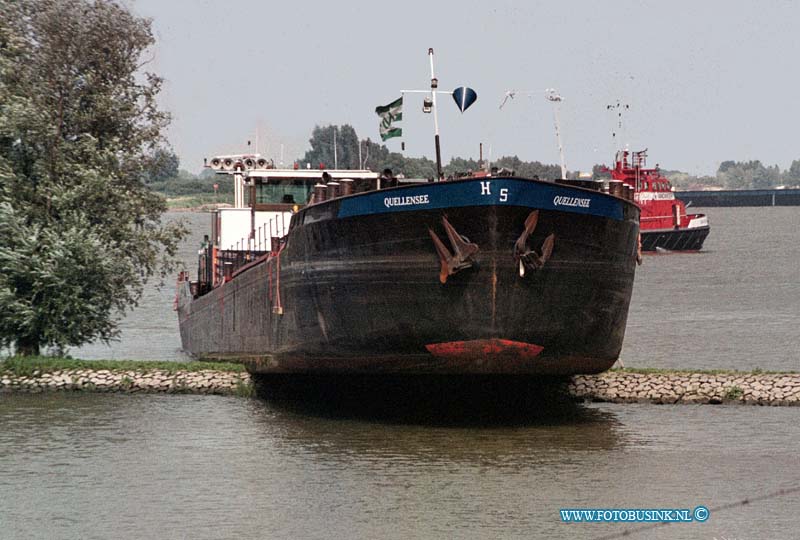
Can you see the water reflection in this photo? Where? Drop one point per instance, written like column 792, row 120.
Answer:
column 472, row 420
column 428, row 400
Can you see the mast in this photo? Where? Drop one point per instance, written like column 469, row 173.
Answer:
column 466, row 97
column 556, row 99
column 335, row 155
column 434, row 86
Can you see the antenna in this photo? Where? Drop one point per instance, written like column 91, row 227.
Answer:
column 553, row 96
column 509, row 95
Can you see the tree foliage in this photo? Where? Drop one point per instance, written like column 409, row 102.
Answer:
column 741, row 175
column 748, row 175
column 322, row 147
column 377, row 157
column 529, row 169
column 80, row 233
column 792, row 176
column 161, row 166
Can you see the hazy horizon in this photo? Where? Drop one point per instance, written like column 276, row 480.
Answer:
column 705, row 83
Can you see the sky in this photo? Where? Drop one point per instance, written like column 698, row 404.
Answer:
column 704, row 81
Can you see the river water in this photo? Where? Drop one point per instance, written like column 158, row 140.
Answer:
column 163, row 466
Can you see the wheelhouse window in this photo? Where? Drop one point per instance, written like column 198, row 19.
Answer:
column 282, row 191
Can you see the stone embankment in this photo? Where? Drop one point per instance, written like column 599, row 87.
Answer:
column 186, row 382
column 615, row 386
column 684, row 387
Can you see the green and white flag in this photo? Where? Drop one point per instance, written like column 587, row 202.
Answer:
column 393, row 112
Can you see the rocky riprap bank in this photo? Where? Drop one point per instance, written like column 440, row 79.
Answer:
column 103, row 380
column 778, row 389
column 684, row 387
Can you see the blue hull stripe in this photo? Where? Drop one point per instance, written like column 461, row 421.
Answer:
column 479, row 192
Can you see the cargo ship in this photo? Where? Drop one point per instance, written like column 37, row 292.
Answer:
column 665, row 223
column 351, row 271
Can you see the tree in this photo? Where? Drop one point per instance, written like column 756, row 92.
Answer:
column 161, row 166
column 374, row 155
column 747, row 175
column 459, row 165
column 80, row 233
column 528, row 169
column 600, row 172
column 421, row 167
column 767, row 177
column 792, row 176
column 322, row 147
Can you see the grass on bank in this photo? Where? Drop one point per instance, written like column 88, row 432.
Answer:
column 22, row 366
column 26, row 366
column 659, row 371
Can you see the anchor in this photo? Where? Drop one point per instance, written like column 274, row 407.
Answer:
column 463, row 249
column 527, row 258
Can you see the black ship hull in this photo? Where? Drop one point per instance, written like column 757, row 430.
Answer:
column 360, row 285
column 675, row 239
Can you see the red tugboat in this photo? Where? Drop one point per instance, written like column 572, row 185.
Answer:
column 664, row 225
